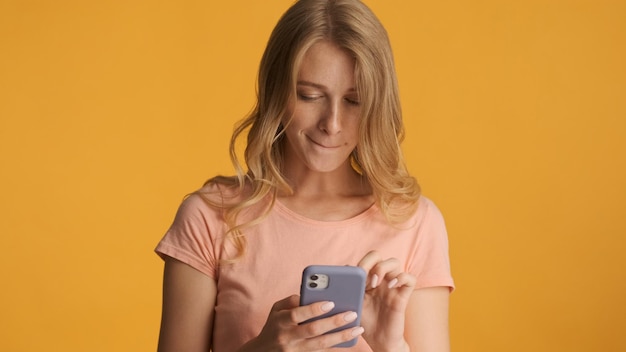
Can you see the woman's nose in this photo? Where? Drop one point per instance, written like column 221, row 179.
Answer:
column 330, row 122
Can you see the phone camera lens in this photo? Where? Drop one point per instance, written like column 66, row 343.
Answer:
column 312, row 285
column 314, row 277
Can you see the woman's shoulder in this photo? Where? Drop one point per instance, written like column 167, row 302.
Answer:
column 208, row 202
column 223, row 190
column 426, row 210
column 425, row 204
column 223, row 194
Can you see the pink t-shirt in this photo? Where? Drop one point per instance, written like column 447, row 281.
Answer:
column 283, row 244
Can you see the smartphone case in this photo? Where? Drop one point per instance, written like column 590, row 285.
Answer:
column 346, row 288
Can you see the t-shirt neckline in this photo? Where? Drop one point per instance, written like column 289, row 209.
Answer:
column 285, row 211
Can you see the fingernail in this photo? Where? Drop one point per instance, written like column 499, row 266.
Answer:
column 351, row 316
column 328, row 306
column 374, row 281
column 357, row 331
column 392, row 283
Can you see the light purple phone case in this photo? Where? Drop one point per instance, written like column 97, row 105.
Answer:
column 346, row 287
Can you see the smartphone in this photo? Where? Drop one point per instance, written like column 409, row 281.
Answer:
column 343, row 285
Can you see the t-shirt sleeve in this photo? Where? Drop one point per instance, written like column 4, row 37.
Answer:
column 191, row 238
column 431, row 260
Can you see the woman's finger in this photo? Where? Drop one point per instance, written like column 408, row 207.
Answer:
column 299, row 314
column 329, row 340
column 384, row 271
column 369, row 260
column 367, row 263
column 322, row 326
column 403, row 280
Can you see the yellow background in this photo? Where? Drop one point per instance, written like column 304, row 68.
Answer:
column 110, row 111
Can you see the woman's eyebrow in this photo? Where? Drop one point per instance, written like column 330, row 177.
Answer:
column 311, row 84
column 317, row 85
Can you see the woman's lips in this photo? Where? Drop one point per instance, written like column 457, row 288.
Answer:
column 323, row 145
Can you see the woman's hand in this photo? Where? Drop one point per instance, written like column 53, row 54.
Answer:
column 387, row 295
column 283, row 330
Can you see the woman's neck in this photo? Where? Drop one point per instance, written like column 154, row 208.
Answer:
column 342, row 182
column 328, row 196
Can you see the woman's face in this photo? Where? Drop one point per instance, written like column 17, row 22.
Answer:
column 325, row 112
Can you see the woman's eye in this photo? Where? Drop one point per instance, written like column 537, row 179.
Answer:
column 306, row 97
column 353, row 101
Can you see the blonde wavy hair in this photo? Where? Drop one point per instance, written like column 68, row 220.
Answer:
column 378, row 157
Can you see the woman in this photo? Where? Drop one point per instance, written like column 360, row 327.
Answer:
column 325, row 184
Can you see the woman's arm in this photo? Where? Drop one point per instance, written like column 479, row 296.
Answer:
column 188, row 302
column 426, row 325
column 187, row 321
